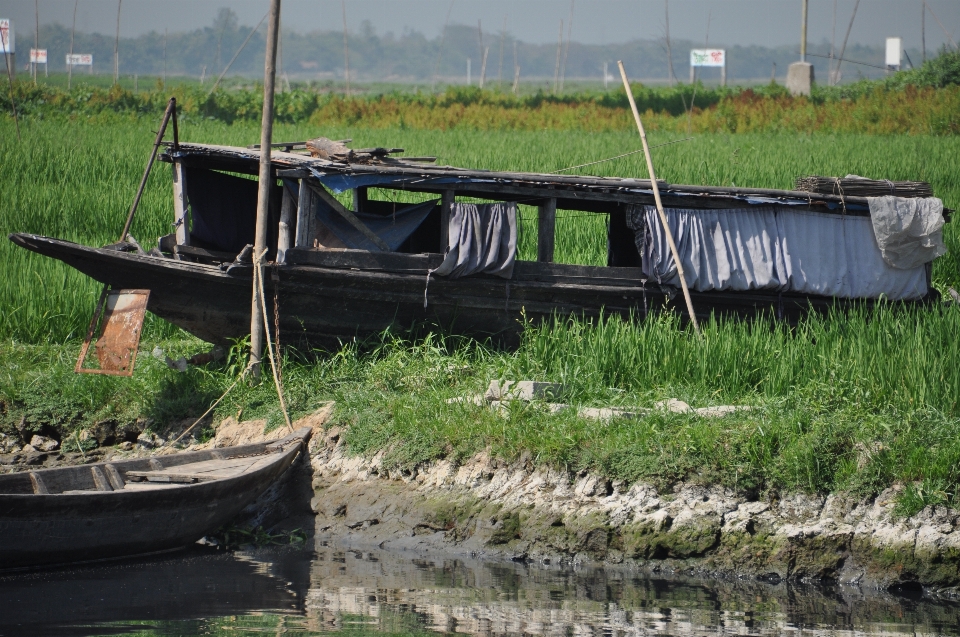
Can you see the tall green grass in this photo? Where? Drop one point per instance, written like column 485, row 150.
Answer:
column 75, row 180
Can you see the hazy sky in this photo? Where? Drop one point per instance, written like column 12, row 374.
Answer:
column 761, row 22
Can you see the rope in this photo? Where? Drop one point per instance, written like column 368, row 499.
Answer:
column 212, row 407
column 258, row 278
column 632, row 152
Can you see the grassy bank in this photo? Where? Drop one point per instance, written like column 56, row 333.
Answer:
column 845, row 402
column 853, row 402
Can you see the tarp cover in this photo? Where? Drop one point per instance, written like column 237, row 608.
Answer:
column 482, row 238
column 771, row 248
column 909, row 231
column 393, row 229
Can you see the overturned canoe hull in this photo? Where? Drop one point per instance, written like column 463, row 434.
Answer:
column 329, row 297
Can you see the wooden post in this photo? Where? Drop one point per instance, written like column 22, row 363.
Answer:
column 181, row 205
column 446, row 210
column 656, row 197
column 306, row 227
column 286, row 218
column 359, row 199
column 265, row 182
column 546, row 230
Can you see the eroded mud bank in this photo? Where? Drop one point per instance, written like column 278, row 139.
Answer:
column 486, row 507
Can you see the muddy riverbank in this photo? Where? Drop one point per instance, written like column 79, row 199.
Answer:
column 486, row 507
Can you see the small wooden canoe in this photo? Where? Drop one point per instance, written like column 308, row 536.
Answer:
column 129, row 507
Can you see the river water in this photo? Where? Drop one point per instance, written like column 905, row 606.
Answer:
column 359, row 593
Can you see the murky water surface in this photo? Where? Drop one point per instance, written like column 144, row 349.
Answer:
column 333, row 591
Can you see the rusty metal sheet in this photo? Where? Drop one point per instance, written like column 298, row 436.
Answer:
column 118, row 323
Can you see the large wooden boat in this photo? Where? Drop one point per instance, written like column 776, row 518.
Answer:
column 200, row 276
column 137, row 506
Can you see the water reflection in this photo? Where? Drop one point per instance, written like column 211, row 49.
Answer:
column 359, row 592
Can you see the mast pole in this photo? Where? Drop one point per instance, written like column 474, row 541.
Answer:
column 265, row 183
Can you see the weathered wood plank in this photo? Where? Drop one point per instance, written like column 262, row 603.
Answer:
column 306, row 223
column 360, row 199
column 116, row 480
column 181, row 213
column 546, row 229
column 362, row 259
column 447, row 199
column 39, row 488
column 99, row 479
column 287, row 218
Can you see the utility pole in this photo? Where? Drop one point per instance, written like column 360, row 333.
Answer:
column 72, row 31
column 923, row 29
column 265, row 183
column 803, row 33
column 116, row 47
column 36, row 37
column 800, row 74
column 566, row 47
column 556, row 67
column 670, row 74
column 346, row 48
column 503, row 34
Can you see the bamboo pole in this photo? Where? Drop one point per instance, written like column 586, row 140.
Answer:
column 656, row 197
column 843, row 47
column 265, row 182
column 229, row 64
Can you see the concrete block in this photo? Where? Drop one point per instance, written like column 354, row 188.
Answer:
column 800, row 78
column 522, row 390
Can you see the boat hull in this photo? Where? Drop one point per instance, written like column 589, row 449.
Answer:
column 329, row 297
column 55, row 528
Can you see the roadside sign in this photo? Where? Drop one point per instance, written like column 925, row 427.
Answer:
column 80, row 59
column 894, row 49
column 708, row 57
column 38, row 56
column 7, row 40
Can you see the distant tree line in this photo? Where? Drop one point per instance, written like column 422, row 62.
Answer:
column 411, row 56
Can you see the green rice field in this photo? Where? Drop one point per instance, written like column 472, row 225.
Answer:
column 856, row 401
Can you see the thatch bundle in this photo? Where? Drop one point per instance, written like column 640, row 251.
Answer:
column 853, row 186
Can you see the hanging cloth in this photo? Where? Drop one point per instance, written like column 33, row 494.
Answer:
column 481, row 238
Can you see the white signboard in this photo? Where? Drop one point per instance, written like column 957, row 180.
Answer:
column 7, row 40
column 708, row 57
column 893, row 52
column 38, row 56
column 80, row 59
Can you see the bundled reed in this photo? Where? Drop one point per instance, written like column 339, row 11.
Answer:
column 853, row 186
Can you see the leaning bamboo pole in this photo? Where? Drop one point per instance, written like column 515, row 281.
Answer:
column 656, row 197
